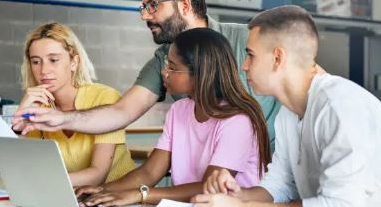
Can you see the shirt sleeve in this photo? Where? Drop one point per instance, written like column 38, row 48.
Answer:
column 150, row 76
column 165, row 139
column 279, row 180
column 234, row 142
column 346, row 147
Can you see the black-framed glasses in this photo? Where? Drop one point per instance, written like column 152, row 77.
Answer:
column 151, row 6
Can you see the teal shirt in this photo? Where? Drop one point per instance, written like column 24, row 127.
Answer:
column 150, row 77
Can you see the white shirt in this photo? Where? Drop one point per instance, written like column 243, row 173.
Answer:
column 340, row 136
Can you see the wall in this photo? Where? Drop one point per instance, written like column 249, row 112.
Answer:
column 334, row 59
column 376, row 5
column 118, row 43
column 377, row 12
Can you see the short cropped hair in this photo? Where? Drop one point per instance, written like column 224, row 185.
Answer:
column 293, row 21
column 283, row 18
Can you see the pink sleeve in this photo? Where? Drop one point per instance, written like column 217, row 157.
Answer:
column 165, row 139
column 235, row 141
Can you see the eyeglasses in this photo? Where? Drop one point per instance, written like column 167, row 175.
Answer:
column 168, row 70
column 151, row 6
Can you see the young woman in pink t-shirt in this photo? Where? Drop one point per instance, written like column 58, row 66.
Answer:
column 219, row 126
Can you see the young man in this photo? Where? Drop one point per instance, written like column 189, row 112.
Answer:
column 166, row 19
column 328, row 129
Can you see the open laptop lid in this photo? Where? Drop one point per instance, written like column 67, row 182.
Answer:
column 34, row 173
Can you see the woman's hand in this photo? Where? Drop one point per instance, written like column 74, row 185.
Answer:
column 35, row 96
column 115, row 198
column 80, row 191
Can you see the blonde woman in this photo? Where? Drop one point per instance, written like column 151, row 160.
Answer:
column 57, row 73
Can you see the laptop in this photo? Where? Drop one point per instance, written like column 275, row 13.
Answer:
column 34, row 173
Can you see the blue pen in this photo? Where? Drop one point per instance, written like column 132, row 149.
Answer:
column 25, row 116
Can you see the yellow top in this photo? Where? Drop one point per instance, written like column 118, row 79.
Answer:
column 77, row 150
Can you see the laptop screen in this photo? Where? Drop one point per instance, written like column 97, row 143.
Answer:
column 34, row 173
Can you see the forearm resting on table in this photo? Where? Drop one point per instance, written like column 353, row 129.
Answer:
column 179, row 193
column 132, row 180
column 89, row 176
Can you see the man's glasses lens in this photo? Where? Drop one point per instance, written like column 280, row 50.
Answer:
column 150, row 7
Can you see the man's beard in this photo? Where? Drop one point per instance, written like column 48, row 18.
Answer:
column 170, row 28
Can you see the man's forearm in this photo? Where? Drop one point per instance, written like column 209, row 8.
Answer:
column 133, row 104
column 97, row 120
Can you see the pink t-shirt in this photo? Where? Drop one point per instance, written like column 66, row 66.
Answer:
column 227, row 143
